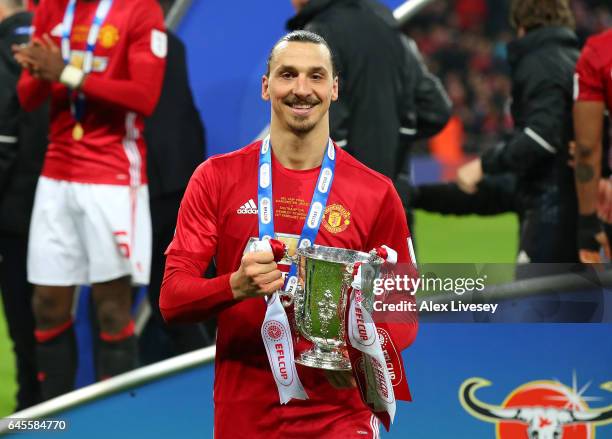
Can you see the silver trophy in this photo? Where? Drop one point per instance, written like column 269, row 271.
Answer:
column 324, row 278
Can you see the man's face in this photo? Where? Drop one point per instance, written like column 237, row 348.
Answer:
column 301, row 85
column 298, row 5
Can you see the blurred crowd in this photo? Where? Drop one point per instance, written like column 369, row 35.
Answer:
column 464, row 44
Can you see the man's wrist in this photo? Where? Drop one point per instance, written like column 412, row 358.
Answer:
column 235, row 287
column 72, row 77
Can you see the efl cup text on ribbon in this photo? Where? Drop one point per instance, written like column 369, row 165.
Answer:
column 363, row 332
column 280, row 359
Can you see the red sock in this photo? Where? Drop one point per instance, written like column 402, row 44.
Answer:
column 126, row 332
column 44, row 335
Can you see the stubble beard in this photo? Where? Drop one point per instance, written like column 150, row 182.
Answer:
column 300, row 125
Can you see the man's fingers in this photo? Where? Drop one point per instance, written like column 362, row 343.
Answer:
column 266, row 278
column 572, row 148
column 18, row 48
column 259, row 257
column 50, row 43
column 466, row 187
column 589, row 256
column 255, row 269
column 37, row 42
column 271, row 287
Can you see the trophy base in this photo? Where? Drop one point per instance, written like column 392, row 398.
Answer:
column 331, row 360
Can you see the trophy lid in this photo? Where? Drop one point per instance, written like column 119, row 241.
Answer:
column 338, row 255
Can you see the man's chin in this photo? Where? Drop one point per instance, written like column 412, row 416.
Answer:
column 301, row 125
column 301, row 128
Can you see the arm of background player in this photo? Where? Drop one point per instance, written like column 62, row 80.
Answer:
column 146, row 66
column 33, row 92
column 588, row 126
column 495, row 195
column 186, row 296
column 391, row 229
column 540, row 139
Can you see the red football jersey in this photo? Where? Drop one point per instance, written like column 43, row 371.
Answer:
column 594, row 70
column 217, row 217
column 124, row 85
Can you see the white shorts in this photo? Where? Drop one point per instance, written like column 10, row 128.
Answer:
column 88, row 233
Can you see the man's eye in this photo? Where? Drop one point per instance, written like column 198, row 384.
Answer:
column 286, row 75
column 317, row 77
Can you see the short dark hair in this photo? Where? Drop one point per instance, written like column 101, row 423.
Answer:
column 531, row 14
column 302, row 36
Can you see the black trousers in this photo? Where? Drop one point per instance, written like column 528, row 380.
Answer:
column 17, row 300
column 159, row 340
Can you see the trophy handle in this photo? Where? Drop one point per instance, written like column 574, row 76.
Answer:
column 286, row 298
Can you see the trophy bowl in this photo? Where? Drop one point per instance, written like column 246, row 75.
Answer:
column 324, row 278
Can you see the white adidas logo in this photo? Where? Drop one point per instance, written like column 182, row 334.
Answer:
column 248, row 207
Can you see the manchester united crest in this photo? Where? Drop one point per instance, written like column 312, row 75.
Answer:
column 336, row 218
column 109, row 35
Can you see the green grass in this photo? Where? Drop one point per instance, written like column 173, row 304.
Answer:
column 8, row 385
column 466, row 239
column 440, row 239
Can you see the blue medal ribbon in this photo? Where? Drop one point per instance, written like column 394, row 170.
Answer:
column 77, row 106
column 265, row 201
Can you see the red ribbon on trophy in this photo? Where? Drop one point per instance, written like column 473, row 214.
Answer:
column 376, row 362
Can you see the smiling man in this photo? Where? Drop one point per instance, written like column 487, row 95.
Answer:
column 219, row 214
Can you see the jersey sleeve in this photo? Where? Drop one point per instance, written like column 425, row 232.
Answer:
column 185, row 295
column 391, row 229
column 146, row 64
column 33, row 92
column 588, row 84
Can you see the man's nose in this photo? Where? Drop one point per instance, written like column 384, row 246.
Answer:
column 302, row 86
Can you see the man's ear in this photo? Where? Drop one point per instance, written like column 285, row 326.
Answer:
column 265, row 83
column 334, row 96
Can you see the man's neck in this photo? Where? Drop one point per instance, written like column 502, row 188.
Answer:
column 298, row 152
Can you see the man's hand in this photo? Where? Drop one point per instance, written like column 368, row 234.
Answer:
column 469, row 175
column 604, row 200
column 591, row 239
column 258, row 275
column 42, row 58
column 340, row 379
column 23, row 55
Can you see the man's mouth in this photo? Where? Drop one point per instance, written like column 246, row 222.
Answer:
column 301, row 108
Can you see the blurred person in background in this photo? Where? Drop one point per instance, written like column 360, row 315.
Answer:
column 23, row 140
column 176, row 145
column 542, row 58
column 102, row 64
column 388, row 97
column 593, row 96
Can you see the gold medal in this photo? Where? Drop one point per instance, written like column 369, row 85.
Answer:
column 77, row 132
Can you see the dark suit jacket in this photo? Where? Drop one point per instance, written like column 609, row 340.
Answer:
column 174, row 133
column 23, row 136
